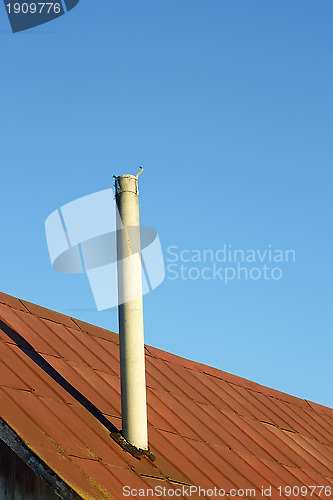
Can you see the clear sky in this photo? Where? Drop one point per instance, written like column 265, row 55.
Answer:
column 227, row 104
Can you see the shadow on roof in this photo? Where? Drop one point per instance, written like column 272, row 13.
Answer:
column 32, row 354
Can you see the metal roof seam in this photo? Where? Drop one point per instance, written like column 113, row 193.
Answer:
column 111, row 341
column 93, row 353
column 46, row 382
column 317, row 454
column 271, row 396
column 247, row 478
column 152, row 409
column 17, row 388
column 193, row 430
column 230, row 408
column 14, row 373
column 255, row 419
column 261, row 404
column 149, row 352
column 286, row 439
column 47, row 318
column 157, row 389
column 84, row 458
column 172, row 481
column 97, row 459
column 45, row 313
column 320, row 418
column 294, row 471
column 292, row 466
column 23, row 304
column 296, row 419
column 94, row 331
column 4, row 300
column 7, row 322
column 236, row 400
column 246, row 384
column 110, row 372
column 288, row 462
column 186, row 457
column 320, row 423
column 244, row 430
column 160, row 383
column 75, row 334
column 77, row 436
column 218, row 439
column 80, row 329
column 9, row 341
column 178, row 434
column 149, row 476
column 215, row 448
column 290, row 431
column 67, row 343
column 242, row 455
column 278, row 477
column 89, row 384
column 307, row 452
column 73, row 404
column 322, row 410
column 289, row 409
column 233, row 436
column 156, row 469
column 189, row 384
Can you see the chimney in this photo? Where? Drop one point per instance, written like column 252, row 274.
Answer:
column 130, row 312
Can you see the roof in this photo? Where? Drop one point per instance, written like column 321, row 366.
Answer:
column 60, row 395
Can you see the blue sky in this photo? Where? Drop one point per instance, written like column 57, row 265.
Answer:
column 228, row 107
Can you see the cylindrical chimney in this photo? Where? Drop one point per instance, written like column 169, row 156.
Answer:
column 130, row 311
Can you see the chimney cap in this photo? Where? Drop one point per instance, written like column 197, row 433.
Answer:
column 130, row 175
column 127, row 182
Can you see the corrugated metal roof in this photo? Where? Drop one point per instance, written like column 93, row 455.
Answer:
column 207, row 428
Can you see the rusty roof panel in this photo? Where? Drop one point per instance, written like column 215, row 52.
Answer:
column 23, row 321
column 188, row 461
column 60, row 393
column 173, row 413
column 109, row 480
column 311, row 426
column 164, row 453
column 12, row 302
column 267, row 476
column 262, row 407
column 44, row 313
column 318, row 454
column 10, row 373
column 96, row 331
column 18, row 360
column 93, row 383
column 321, row 409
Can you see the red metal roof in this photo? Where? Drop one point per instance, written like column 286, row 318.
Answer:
column 207, row 428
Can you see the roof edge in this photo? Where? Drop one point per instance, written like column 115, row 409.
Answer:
column 39, row 467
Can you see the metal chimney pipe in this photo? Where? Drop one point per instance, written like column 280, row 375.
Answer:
column 130, row 312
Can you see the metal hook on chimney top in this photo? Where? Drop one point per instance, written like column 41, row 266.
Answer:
column 141, row 170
